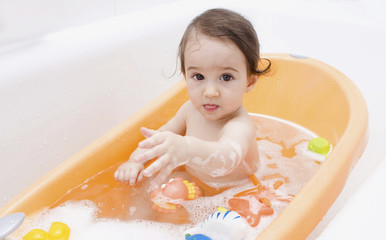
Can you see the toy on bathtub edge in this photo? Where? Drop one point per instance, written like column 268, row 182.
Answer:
column 58, row 231
column 169, row 195
column 222, row 224
column 319, row 145
column 9, row 223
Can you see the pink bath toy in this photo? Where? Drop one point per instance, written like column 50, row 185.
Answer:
column 167, row 197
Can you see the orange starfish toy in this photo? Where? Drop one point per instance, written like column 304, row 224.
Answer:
column 254, row 203
column 169, row 195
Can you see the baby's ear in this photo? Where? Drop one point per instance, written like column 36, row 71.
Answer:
column 251, row 82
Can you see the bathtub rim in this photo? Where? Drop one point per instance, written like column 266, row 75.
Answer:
column 334, row 173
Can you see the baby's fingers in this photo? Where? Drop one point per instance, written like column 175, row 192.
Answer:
column 152, row 141
column 162, row 176
column 116, row 175
column 146, row 132
column 156, row 165
column 150, row 154
column 119, row 175
column 134, row 176
column 129, row 173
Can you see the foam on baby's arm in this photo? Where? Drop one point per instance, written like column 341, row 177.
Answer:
column 214, row 158
column 219, row 158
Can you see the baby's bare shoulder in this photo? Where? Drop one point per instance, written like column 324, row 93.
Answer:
column 240, row 124
column 186, row 108
column 243, row 119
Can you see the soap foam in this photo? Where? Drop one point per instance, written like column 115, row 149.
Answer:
column 202, row 207
column 81, row 217
column 227, row 184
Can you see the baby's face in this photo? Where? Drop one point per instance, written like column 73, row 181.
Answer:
column 216, row 76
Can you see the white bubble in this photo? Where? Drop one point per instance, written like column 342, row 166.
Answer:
column 81, row 217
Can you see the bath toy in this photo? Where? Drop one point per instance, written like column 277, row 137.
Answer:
column 221, row 224
column 196, row 237
column 250, row 208
column 169, row 195
column 9, row 223
column 58, row 231
column 254, row 203
column 319, row 145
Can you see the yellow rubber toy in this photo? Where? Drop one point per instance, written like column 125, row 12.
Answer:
column 58, row 231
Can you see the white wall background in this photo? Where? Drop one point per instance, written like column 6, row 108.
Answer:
column 24, row 19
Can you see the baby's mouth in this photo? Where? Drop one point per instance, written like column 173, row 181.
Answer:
column 211, row 107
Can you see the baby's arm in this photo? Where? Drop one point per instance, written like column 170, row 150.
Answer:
column 219, row 158
column 216, row 158
column 131, row 171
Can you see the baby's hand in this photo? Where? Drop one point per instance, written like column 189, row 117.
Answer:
column 170, row 148
column 129, row 172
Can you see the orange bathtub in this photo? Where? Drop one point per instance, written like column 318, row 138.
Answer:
column 301, row 90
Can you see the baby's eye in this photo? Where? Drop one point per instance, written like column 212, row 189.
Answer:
column 198, row 76
column 226, row 77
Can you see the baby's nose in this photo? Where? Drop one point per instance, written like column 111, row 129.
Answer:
column 211, row 91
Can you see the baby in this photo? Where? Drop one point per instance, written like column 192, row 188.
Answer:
column 212, row 133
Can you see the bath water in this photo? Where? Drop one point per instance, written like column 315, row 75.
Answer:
column 102, row 208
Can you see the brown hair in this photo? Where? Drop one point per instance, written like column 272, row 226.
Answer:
column 222, row 23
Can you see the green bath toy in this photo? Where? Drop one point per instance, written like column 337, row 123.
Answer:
column 319, row 145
